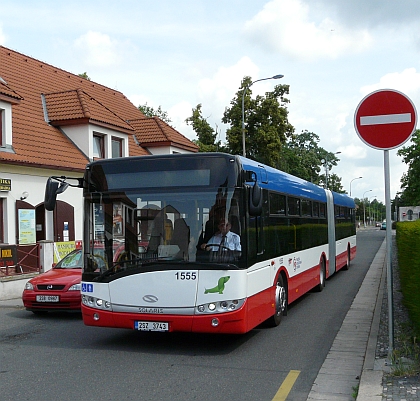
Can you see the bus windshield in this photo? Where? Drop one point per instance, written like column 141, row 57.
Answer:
column 137, row 228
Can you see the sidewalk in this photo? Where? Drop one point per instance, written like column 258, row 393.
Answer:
column 354, row 365
column 11, row 303
column 350, row 365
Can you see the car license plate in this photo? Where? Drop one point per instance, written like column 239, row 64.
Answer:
column 151, row 326
column 47, row 298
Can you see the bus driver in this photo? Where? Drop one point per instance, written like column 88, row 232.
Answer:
column 224, row 240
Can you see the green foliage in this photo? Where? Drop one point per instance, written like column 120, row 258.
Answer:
column 207, row 136
column 302, row 156
column 84, row 75
column 149, row 111
column 408, row 243
column 374, row 211
column 266, row 123
column 410, row 182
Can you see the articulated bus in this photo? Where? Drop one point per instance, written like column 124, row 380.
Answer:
column 211, row 242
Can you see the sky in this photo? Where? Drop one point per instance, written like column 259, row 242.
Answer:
column 178, row 54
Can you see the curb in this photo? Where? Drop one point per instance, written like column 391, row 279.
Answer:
column 370, row 386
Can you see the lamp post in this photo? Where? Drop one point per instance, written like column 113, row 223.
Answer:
column 243, row 111
column 352, row 181
column 325, row 163
column 364, row 207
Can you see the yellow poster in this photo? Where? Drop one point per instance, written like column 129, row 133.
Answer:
column 61, row 249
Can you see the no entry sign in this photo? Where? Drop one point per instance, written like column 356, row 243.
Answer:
column 385, row 119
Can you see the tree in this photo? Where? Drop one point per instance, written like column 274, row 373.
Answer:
column 410, row 183
column 302, row 156
column 207, row 136
column 266, row 123
column 84, row 75
column 334, row 183
column 149, row 111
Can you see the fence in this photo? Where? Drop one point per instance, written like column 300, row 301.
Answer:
column 19, row 259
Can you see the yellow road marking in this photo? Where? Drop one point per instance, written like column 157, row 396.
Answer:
column 286, row 386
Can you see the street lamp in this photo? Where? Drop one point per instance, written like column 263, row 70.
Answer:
column 352, row 181
column 325, row 164
column 364, row 207
column 243, row 112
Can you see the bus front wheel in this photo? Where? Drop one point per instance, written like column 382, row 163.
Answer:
column 280, row 302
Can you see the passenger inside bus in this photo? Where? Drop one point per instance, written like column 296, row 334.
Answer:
column 161, row 231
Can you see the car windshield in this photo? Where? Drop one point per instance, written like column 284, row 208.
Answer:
column 74, row 260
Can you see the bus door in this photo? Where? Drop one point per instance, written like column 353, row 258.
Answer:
column 331, row 233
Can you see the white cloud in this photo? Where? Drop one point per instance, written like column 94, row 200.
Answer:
column 98, row 49
column 407, row 82
column 226, row 81
column 178, row 114
column 285, row 26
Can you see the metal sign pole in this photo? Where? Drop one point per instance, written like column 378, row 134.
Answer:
column 388, row 255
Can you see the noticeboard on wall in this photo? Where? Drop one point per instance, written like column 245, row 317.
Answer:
column 27, row 234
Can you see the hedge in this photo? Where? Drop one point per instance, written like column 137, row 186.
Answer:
column 408, row 244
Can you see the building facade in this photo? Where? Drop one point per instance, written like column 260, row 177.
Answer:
column 53, row 122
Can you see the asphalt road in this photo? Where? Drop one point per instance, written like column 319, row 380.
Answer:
column 56, row 357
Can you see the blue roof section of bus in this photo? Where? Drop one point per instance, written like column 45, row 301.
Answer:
column 284, row 182
column 343, row 200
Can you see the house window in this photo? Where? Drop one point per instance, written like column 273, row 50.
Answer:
column 116, row 147
column 98, row 146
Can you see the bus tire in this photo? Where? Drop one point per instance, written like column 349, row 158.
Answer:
column 280, row 302
column 322, row 275
column 347, row 266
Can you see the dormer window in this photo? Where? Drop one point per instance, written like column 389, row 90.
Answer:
column 6, row 127
column 98, row 146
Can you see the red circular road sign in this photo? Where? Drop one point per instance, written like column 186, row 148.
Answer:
column 385, row 119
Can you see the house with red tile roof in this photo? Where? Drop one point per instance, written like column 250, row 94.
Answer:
column 53, row 122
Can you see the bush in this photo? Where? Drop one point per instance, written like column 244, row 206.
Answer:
column 408, row 244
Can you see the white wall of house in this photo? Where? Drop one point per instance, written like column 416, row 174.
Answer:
column 33, row 182
column 165, row 150
column 409, row 213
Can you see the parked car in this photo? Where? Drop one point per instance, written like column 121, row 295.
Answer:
column 383, row 225
column 58, row 288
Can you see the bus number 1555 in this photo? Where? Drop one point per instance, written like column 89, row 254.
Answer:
column 186, row 275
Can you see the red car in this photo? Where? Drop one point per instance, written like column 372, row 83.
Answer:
column 58, row 288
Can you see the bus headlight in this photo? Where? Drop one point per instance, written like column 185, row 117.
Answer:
column 220, row 307
column 96, row 303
